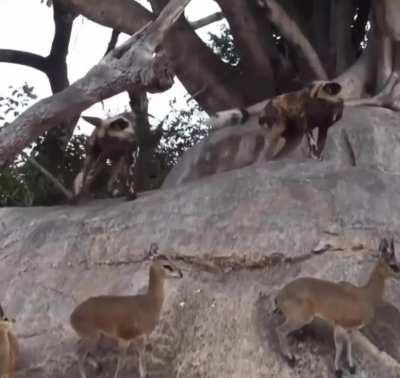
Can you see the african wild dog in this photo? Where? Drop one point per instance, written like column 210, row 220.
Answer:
column 291, row 116
column 113, row 140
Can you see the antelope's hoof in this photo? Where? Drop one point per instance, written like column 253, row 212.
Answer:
column 352, row 370
column 338, row 373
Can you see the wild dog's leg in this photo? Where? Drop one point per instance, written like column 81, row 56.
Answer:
column 130, row 188
column 116, row 172
column 276, row 141
column 311, row 142
column 322, row 136
column 91, row 168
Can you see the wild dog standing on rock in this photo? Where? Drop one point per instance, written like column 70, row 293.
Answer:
column 291, row 116
column 115, row 140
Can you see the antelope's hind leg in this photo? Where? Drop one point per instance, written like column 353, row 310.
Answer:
column 297, row 316
column 352, row 367
column 85, row 349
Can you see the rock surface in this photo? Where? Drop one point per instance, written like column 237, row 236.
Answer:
column 238, row 236
column 364, row 137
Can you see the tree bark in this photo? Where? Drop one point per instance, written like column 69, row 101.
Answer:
column 253, row 39
column 129, row 66
column 387, row 45
column 293, row 34
column 202, row 76
column 53, row 147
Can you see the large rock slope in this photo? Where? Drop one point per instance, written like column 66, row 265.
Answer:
column 239, row 236
column 365, row 137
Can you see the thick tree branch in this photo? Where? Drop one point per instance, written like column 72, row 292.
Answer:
column 113, row 41
column 129, row 66
column 253, row 38
column 387, row 54
column 193, row 61
column 200, row 23
column 127, row 16
column 293, row 34
column 24, row 58
column 360, row 75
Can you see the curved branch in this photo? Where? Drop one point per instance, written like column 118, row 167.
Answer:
column 253, row 38
column 127, row 16
column 200, row 23
column 194, row 63
column 24, row 58
column 360, row 75
column 289, row 29
column 113, row 41
column 387, row 98
column 132, row 67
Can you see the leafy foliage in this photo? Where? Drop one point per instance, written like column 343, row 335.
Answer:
column 223, row 45
column 12, row 105
column 21, row 184
column 181, row 130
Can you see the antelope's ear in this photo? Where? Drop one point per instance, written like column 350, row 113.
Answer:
column 332, row 88
column 1, row 312
column 95, row 121
column 392, row 246
column 153, row 251
column 384, row 248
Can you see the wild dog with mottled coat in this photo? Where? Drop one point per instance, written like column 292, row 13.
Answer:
column 115, row 140
column 291, row 116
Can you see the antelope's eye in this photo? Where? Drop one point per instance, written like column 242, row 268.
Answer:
column 168, row 267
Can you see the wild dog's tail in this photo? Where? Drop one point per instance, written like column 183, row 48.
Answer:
column 226, row 118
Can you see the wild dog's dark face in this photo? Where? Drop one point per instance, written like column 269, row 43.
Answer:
column 119, row 128
column 325, row 104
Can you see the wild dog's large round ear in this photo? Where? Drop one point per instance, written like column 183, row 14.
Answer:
column 332, row 88
column 95, row 121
